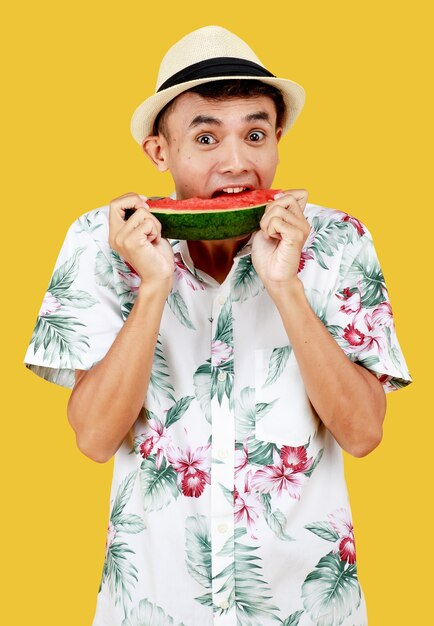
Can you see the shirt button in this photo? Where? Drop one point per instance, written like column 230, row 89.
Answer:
column 222, row 528
column 221, row 376
column 224, row 604
column 221, row 300
column 223, row 453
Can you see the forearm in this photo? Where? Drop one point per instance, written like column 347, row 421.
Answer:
column 107, row 399
column 348, row 398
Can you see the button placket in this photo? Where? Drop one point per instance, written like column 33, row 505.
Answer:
column 222, row 480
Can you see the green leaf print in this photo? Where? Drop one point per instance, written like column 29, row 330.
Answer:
column 260, row 452
column 224, row 330
column 65, row 274
column 222, row 387
column 293, row 619
column 278, row 359
column 328, row 237
column 323, row 530
column 331, row 592
column 392, row 349
column 159, row 486
column 59, row 337
column 122, row 496
column 202, row 388
column 198, row 549
column 366, row 269
column 247, row 412
column 318, row 301
column 119, row 573
column 244, row 585
column 88, row 222
column 317, row 459
column 148, row 614
column 276, row 520
column 245, row 281
column 179, row 308
column 159, row 383
column 103, row 270
column 130, row 524
column 177, row 410
column 77, row 298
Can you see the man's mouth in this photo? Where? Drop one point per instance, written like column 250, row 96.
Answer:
column 231, row 190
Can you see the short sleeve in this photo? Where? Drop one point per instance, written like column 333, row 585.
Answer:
column 80, row 315
column 360, row 318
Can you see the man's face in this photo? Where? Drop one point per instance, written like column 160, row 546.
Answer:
column 220, row 145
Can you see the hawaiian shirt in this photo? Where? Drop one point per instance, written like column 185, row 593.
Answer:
column 228, row 504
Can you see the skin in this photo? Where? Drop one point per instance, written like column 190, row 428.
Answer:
column 234, row 151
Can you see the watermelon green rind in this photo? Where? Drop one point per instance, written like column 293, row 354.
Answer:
column 222, row 217
column 204, row 225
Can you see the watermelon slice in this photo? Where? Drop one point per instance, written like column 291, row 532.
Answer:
column 227, row 215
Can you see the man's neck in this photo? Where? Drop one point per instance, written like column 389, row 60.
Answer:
column 215, row 257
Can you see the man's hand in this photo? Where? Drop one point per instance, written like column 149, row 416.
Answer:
column 138, row 240
column 277, row 246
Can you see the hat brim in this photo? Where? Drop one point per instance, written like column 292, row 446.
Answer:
column 144, row 116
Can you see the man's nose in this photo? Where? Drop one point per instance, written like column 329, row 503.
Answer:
column 234, row 158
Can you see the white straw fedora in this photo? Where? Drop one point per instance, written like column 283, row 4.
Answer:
column 204, row 55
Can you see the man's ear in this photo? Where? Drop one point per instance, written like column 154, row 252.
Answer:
column 278, row 133
column 155, row 147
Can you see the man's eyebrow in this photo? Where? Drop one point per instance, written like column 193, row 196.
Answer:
column 259, row 115
column 204, row 119
column 208, row 119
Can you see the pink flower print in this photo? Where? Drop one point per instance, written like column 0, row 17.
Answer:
column 241, row 459
column 295, row 458
column 278, row 478
column 305, row 255
column 220, row 352
column 382, row 314
column 193, row 484
column 245, row 509
column 347, row 550
column 146, row 447
column 352, row 302
column 156, row 442
column 49, row 305
column 192, row 468
column 342, row 524
column 355, row 222
column 353, row 336
column 182, row 273
column 111, row 534
column 132, row 279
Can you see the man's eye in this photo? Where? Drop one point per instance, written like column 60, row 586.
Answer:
column 205, row 139
column 256, row 135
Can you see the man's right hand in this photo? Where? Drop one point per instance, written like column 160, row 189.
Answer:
column 138, row 240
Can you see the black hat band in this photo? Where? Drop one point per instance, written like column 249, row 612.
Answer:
column 218, row 66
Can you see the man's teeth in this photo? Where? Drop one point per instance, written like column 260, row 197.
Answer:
column 234, row 189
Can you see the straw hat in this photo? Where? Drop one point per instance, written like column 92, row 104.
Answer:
column 208, row 54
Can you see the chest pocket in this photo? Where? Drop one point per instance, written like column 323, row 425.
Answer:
column 291, row 419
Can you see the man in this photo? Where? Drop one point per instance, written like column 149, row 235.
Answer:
column 256, row 359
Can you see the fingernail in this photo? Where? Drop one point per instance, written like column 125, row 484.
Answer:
column 143, row 197
column 279, row 195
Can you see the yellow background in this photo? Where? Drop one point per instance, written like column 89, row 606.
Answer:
column 73, row 75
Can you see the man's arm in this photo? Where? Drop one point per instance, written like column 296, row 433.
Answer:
column 107, row 399
column 348, row 398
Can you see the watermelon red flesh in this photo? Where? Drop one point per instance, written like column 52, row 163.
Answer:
column 229, row 215
column 224, row 201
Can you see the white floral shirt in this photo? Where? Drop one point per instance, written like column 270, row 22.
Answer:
column 229, row 507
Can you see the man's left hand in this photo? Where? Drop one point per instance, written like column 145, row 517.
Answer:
column 277, row 246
